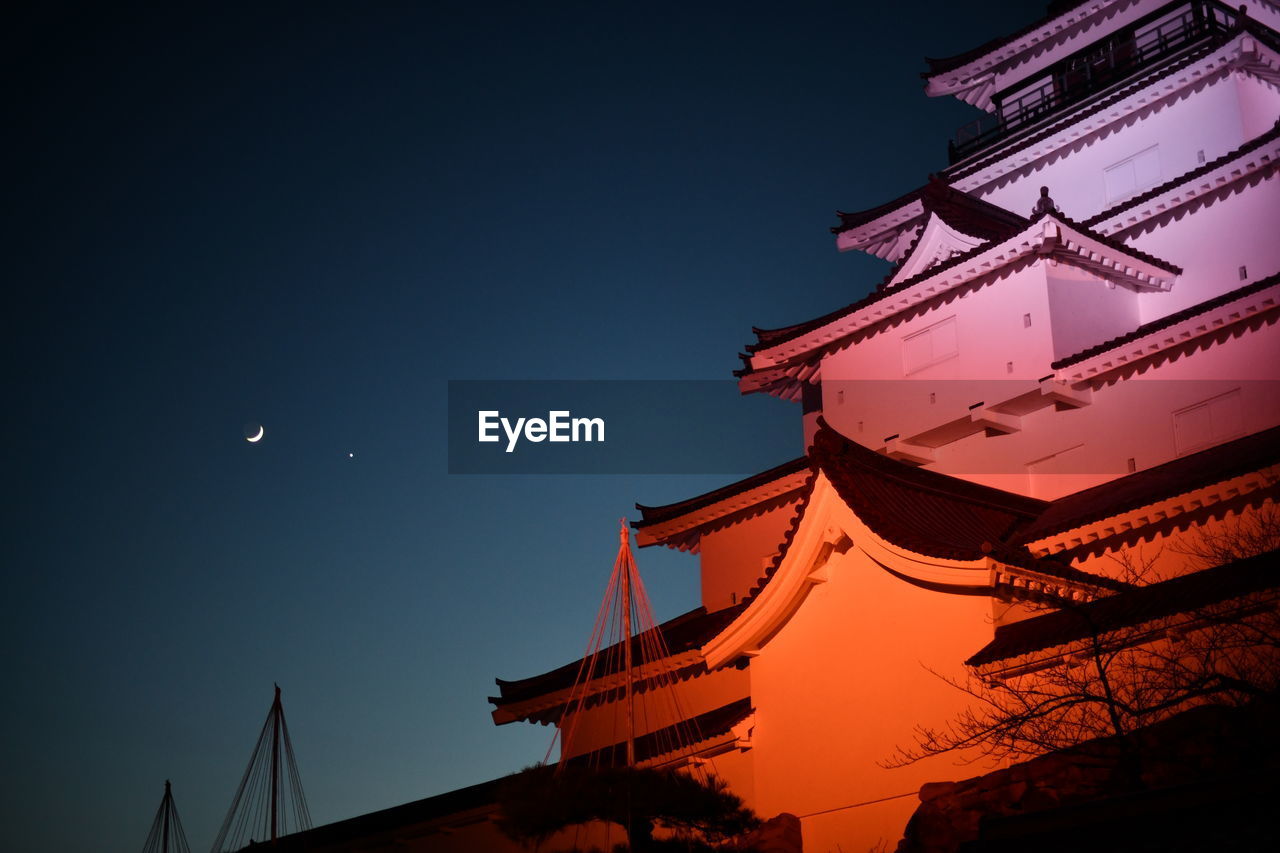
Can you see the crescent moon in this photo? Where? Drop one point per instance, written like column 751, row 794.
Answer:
column 255, row 439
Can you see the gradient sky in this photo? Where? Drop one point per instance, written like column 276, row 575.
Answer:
column 314, row 216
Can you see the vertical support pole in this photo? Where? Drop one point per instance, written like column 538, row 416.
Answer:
column 275, row 764
column 166, row 808
column 624, row 559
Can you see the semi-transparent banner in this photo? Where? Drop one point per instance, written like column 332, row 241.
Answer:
column 961, row 427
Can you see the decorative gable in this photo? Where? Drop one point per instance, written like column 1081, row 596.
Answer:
column 938, row 242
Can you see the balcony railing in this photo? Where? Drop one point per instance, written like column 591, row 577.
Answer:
column 1093, row 70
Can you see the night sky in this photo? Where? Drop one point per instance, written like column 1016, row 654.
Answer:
column 313, row 216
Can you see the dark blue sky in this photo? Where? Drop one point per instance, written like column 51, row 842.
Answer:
column 314, row 216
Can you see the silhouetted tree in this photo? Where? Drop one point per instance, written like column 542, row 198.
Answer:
column 1120, row 674
column 699, row 815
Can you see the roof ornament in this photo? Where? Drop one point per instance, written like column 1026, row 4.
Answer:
column 1044, row 204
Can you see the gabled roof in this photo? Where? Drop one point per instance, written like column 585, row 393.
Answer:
column 1133, row 607
column 937, row 515
column 929, row 513
column 1049, row 234
column 959, row 209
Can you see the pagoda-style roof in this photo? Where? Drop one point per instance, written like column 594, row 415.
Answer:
column 933, row 515
column 1244, row 46
column 651, row 515
column 936, row 515
column 781, row 359
column 869, row 230
column 679, row 525
column 1058, row 9
column 681, row 635
column 707, row 727
column 927, row 512
column 1132, row 607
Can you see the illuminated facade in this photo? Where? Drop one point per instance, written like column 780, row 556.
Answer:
column 1071, row 365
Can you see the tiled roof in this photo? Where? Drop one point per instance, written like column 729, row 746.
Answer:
column 703, row 727
column 941, row 66
column 1170, row 320
column 941, row 516
column 1113, row 242
column 769, row 339
column 1145, row 487
column 1133, row 607
column 928, row 512
column 959, row 209
column 684, row 632
column 650, row 515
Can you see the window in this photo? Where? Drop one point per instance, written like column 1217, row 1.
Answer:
column 1133, row 174
column 1205, row 424
column 930, row 346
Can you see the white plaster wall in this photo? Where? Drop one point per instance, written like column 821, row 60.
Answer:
column 1211, row 241
column 867, row 395
column 1259, row 104
column 603, row 725
column 1132, row 419
column 733, row 557
column 1084, row 309
column 841, row 685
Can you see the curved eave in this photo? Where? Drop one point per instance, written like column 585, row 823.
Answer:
column 549, row 707
column 680, row 526
column 888, row 234
column 971, row 76
column 974, row 77
column 826, row 527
